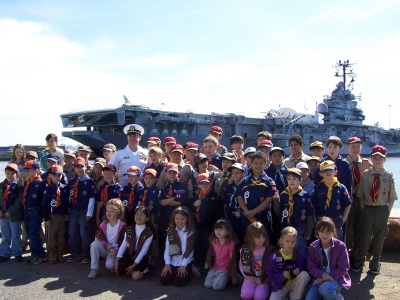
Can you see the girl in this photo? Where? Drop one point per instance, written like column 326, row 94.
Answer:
column 221, row 256
column 178, row 254
column 254, row 262
column 108, row 237
column 137, row 241
column 51, row 142
column 286, row 268
column 328, row 263
column 18, row 158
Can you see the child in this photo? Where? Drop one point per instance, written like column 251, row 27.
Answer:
column 262, row 136
column 97, row 173
column 265, row 146
column 134, row 253
column 287, row 268
column 210, row 145
column 18, row 157
column 312, row 164
column 109, row 190
column 172, row 195
column 168, row 142
column 156, row 163
column 108, row 151
column 254, row 263
column 176, row 157
column 317, row 149
column 68, row 167
column 51, row 142
column 377, row 194
column 84, row 152
column 330, row 198
column 11, row 215
column 221, row 256
column 191, row 150
column 55, row 208
column 108, row 238
column 306, row 182
column 248, row 154
column 130, row 193
column 208, row 209
column 231, row 206
column 153, row 141
column 255, row 195
column 237, row 143
column 277, row 169
column 81, row 207
column 179, row 245
column 295, row 209
column 216, row 132
column 357, row 165
column 297, row 155
column 221, row 181
column 328, row 263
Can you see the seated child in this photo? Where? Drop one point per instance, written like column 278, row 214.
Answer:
column 179, row 245
column 254, row 262
column 287, row 268
column 328, row 263
column 134, row 253
column 108, row 238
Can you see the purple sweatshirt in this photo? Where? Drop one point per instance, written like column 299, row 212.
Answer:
column 338, row 262
column 275, row 275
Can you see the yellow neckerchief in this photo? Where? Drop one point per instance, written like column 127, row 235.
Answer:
column 335, row 182
column 288, row 191
column 257, row 182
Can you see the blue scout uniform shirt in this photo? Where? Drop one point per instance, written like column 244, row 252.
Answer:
column 50, row 200
column 114, row 190
column 216, row 161
column 14, row 193
column 340, row 199
column 45, row 175
column 278, row 175
column 301, row 210
column 230, row 199
column 35, row 193
column 126, row 191
column 151, row 201
column 308, row 186
column 159, row 168
column 85, row 191
column 254, row 191
column 344, row 173
column 211, row 208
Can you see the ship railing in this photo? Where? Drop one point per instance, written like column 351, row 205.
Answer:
column 78, row 132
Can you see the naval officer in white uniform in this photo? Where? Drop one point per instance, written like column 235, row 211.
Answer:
column 132, row 154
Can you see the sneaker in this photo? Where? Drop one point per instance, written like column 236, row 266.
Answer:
column 38, row 260
column 375, row 271
column 93, row 274
column 72, row 259
column 30, row 259
column 18, row 258
column 86, row 260
column 357, row 267
column 60, row 259
column 3, row 258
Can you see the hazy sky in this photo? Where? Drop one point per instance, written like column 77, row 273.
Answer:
column 220, row 56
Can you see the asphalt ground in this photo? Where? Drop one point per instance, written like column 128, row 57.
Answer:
column 69, row 281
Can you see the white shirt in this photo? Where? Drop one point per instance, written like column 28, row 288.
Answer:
column 125, row 158
column 145, row 248
column 112, row 233
column 178, row 260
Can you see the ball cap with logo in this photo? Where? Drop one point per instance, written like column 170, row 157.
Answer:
column 172, row 167
column 327, row 165
column 100, row 161
column 79, row 161
column 216, row 129
column 154, row 140
column 236, row 166
column 169, row 139
column 177, row 148
column 293, row 171
column 70, row 153
column 273, row 149
column 379, row 150
column 192, row 146
column 31, row 164
column 133, row 170
column 52, row 158
column 110, row 167
column 133, row 128
column 12, row 167
column 265, row 143
column 56, row 169
column 203, row 177
column 354, row 139
column 84, row 148
column 302, row 165
column 109, row 147
column 150, row 171
column 317, row 144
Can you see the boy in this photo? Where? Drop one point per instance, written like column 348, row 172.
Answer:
column 230, row 202
column 81, row 206
column 330, row 198
column 312, row 164
column 176, row 157
column 110, row 189
column 130, row 193
column 168, row 142
column 221, row 180
column 51, row 160
column 216, row 132
column 277, row 169
column 33, row 212
column 248, row 157
column 11, row 215
column 97, row 174
column 237, row 143
column 84, row 152
column 306, row 182
column 265, row 146
column 156, row 163
column 297, row 155
column 262, row 136
column 68, row 167
column 377, row 194
column 357, row 166
column 295, row 209
column 255, row 195
column 317, row 149
column 55, row 208
column 153, row 141
column 108, row 151
column 210, row 145
column 191, row 150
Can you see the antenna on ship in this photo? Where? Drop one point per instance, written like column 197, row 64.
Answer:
column 344, row 65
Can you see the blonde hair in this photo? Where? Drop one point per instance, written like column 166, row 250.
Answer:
column 156, row 150
column 290, row 231
column 119, row 206
column 211, row 139
column 255, row 230
column 325, row 224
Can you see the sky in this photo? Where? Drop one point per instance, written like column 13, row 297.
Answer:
column 209, row 56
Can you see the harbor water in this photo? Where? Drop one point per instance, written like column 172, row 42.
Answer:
column 392, row 164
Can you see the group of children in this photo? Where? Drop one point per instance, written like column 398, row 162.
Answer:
column 199, row 206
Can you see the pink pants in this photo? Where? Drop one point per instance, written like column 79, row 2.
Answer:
column 250, row 290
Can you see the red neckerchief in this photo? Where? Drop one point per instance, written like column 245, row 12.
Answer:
column 201, row 197
column 29, row 181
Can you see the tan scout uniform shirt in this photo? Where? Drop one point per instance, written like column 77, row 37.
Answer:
column 162, row 180
column 291, row 161
column 387, row 190
column 363, row 164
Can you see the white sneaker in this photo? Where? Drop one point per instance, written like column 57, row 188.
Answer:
column 93, row 273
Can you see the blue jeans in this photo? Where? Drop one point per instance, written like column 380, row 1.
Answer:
column 301, row 241
column 80, row 231
column 329, row 290
column 33, row 222
column 11, row 238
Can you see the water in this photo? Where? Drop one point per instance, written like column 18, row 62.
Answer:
column 392, row 164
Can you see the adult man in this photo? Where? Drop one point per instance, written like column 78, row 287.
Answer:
column 132, row 154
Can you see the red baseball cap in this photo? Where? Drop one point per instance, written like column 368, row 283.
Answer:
column 79, row 161
column 150, row 171
column 266, row 143
column 12, row 167
column 154, row 140
column 169, row 139
column 203, row 177
column 56, row 169
column 379, row 150
column 354, row 139
column 133, row 170
column 177, row 148
column 31, row 164
column 192, row 146
column 216, row 129
column 171, row 167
